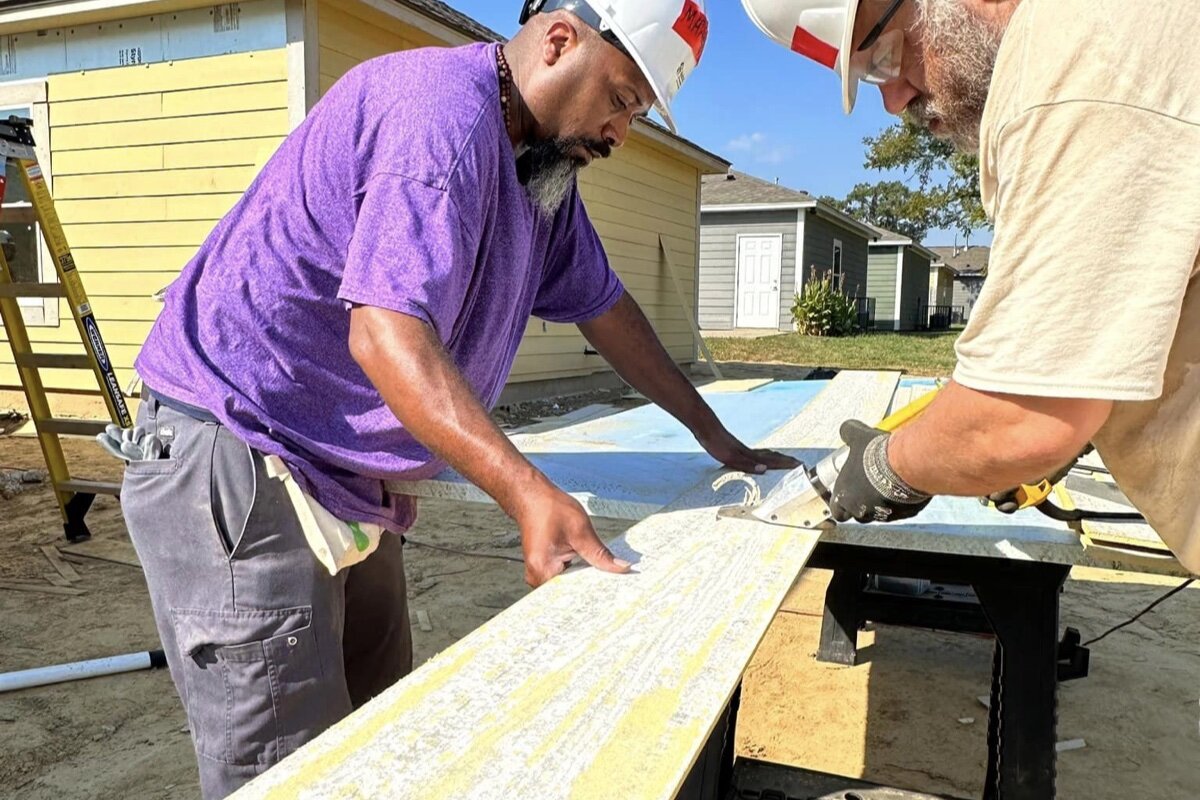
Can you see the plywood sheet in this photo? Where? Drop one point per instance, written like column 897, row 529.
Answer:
column 597, row 685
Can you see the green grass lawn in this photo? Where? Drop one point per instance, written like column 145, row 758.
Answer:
column 929, row 354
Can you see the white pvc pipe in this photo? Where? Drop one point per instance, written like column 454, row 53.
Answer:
column 61, row 673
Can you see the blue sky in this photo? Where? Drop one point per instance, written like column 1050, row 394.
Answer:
column 772, row 113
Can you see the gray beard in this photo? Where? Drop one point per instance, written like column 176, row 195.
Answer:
column 548, row 170
column 960, row 53
column 550, row 184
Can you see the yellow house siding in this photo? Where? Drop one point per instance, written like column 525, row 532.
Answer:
column 643, row 191
column 349, row 33
column 145, row 160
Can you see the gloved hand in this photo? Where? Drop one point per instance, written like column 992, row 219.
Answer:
column 131, row 444
column 868, row 489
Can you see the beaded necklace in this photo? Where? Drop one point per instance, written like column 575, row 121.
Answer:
column 505, row 86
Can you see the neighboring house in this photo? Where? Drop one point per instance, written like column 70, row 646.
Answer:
column 760, row 242
column 153, row 116
column 941, row 285
column 969, row 265
column 898, row 281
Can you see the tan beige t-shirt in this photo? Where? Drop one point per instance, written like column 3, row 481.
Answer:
column 1090, row 166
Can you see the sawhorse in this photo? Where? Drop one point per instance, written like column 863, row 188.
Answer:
column 1018, row 603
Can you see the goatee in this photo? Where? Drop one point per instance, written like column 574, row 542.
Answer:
column 548, row 169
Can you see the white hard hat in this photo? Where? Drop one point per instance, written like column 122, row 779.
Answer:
column 819, row 29
column 665, row 38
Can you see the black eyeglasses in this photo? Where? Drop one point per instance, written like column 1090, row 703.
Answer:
column 877, row 31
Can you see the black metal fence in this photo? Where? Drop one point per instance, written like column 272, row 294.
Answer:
column 865, row 307
column 937, row 318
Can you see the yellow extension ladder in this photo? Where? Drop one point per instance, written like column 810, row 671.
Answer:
column 74, row 496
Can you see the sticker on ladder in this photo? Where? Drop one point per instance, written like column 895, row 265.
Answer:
column 97, row 343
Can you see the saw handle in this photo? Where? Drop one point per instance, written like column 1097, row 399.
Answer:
column 1031, row 495
column 830, row 467
column 907, row 414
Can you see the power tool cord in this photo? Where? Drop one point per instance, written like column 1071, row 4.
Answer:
column 468, row 553
column 1143, row 612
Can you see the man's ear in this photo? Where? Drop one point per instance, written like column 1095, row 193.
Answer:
column 559, row 38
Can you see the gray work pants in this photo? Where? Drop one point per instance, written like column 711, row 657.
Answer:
column 266, row 649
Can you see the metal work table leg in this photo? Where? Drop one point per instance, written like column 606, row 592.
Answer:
column 839, row 627
column 1024, row 713
column 1020, row 602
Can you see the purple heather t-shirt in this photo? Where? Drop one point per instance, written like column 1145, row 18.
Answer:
column 399, row 191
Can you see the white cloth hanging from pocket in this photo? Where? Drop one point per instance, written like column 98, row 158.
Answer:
column 336, row 544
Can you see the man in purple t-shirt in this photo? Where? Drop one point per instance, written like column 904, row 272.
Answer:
column 353, row 319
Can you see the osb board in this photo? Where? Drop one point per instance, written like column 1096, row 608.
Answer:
column 596, row 685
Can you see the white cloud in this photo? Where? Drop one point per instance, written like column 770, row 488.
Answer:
column 760, row 149
column 747, row 142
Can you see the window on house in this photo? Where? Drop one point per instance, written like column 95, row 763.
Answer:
column 839, row 276
column 31, row 260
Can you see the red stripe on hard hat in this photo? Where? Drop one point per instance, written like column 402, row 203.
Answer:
column 806, row 44
column 692, row 27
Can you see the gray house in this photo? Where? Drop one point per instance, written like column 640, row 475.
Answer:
column 969, row 265
column 898, row 281
column 760, row 242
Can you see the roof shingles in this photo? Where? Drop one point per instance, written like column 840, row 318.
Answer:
column 965, row 260
column 454, row 19
column 740, row 189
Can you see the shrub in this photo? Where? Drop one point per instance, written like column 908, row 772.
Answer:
column 822, row 310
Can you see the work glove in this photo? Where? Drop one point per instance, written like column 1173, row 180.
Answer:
column 131, row 444
column 867, row 488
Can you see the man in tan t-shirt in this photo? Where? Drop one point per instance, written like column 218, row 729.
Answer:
column 1086, row 115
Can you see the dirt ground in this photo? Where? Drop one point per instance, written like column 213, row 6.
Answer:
column 894, row 719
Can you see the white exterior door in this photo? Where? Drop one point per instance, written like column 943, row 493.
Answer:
column 759, row 267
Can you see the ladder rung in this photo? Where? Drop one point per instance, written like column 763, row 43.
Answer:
column 89, row 487
column 32, row 290
column 53, row 361
column 72, row 427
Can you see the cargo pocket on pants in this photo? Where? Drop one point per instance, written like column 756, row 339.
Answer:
column 255, row 688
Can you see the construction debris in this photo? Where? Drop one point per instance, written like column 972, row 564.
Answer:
column 15, row 481
column 42, row 588
column 103, row 550
column 61, row 567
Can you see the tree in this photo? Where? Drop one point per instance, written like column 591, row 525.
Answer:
column 946, row 193
column 891, row 205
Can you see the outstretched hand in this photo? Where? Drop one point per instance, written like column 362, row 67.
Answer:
column 729, row 450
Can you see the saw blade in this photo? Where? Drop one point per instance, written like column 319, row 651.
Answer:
column 795, row 502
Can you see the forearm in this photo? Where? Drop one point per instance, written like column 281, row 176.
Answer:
column 427, row 393
column 971, row 443
column 628, row 342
